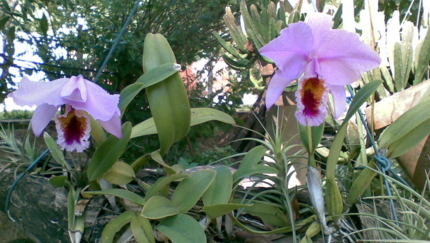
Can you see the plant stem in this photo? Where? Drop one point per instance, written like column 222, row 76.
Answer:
column 311, row 148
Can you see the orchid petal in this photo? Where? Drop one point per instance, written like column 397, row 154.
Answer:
column 276, row 86
column 100, row 104
column 75, row 89
column 320, row 24
column 113, row 126
column 342, row 57
column 36, row 93
column 290, row 50
column 41, row 117
column 339, row 99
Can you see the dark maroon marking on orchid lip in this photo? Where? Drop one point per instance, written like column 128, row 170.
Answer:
column 311, row 95
column 73, row 127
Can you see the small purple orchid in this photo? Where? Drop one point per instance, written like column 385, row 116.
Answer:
column 324, row 59
column 81, row 97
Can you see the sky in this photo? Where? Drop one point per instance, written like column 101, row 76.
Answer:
column 23, row 57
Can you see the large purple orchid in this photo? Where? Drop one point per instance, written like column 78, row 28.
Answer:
column 81, row 97
column 323, row 59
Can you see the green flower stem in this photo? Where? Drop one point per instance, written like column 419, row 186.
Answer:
column 311, row 148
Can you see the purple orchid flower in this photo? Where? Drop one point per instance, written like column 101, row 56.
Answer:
column 81, row 97
column 324, row 59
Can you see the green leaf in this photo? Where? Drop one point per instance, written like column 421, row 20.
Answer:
column 131, row 196
column 58, row 181
column 182, row 228
column 108, row 153
column 149, row 78
column 56, row 151
column 218, row 210
column 128, row 94
column 97, row 132
column 121, row 173
column 360, row 184
column 198, row 116
column 3, row 22
column 361, row 97
column 270, row 214
column 316, row 135
column 157, row 158
column 249, row 164
column 158, row 207
column 142, row 229
column 163, row 182
column 115, row 225
column 188, row 192
column 44, row 24
column 400, row 128
column 168, row 99
column 407, row 142
column 219, row 191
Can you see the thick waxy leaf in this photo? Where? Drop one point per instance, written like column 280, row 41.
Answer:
column 58, row 181
column 115, row 225
column 219, row 191
column 191, row 189
column 142, row 229
column 108, row 153
column 168, row 99
column 198, row 116
column 121, row 173
column 149, row 78
column 131, row 196
column 270, row 214
column 407, row 142
column 401, row 128
column 333, row 197
column 56, row 151
column 158, row 207
column 163, row 182
column 182, row 228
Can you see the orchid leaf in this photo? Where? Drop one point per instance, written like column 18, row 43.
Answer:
column 128, row 94
column 115, row 225
column 142, row 229
column 270, row 214
column 168, row 99
column 121, row 173
column 162, row 183
column 401, row 128
column 219, row 191
column 158, row 207
column 333, row 198
column 156, row 156
column 407, row 142
column 108, row 153
column 149, row 78
column 121, row 193
column 188, row 192
column 198, row 116
column 58, row 181
column 182, row 228
column 56, row 152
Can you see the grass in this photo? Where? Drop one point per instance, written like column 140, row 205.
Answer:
column 16, row 114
